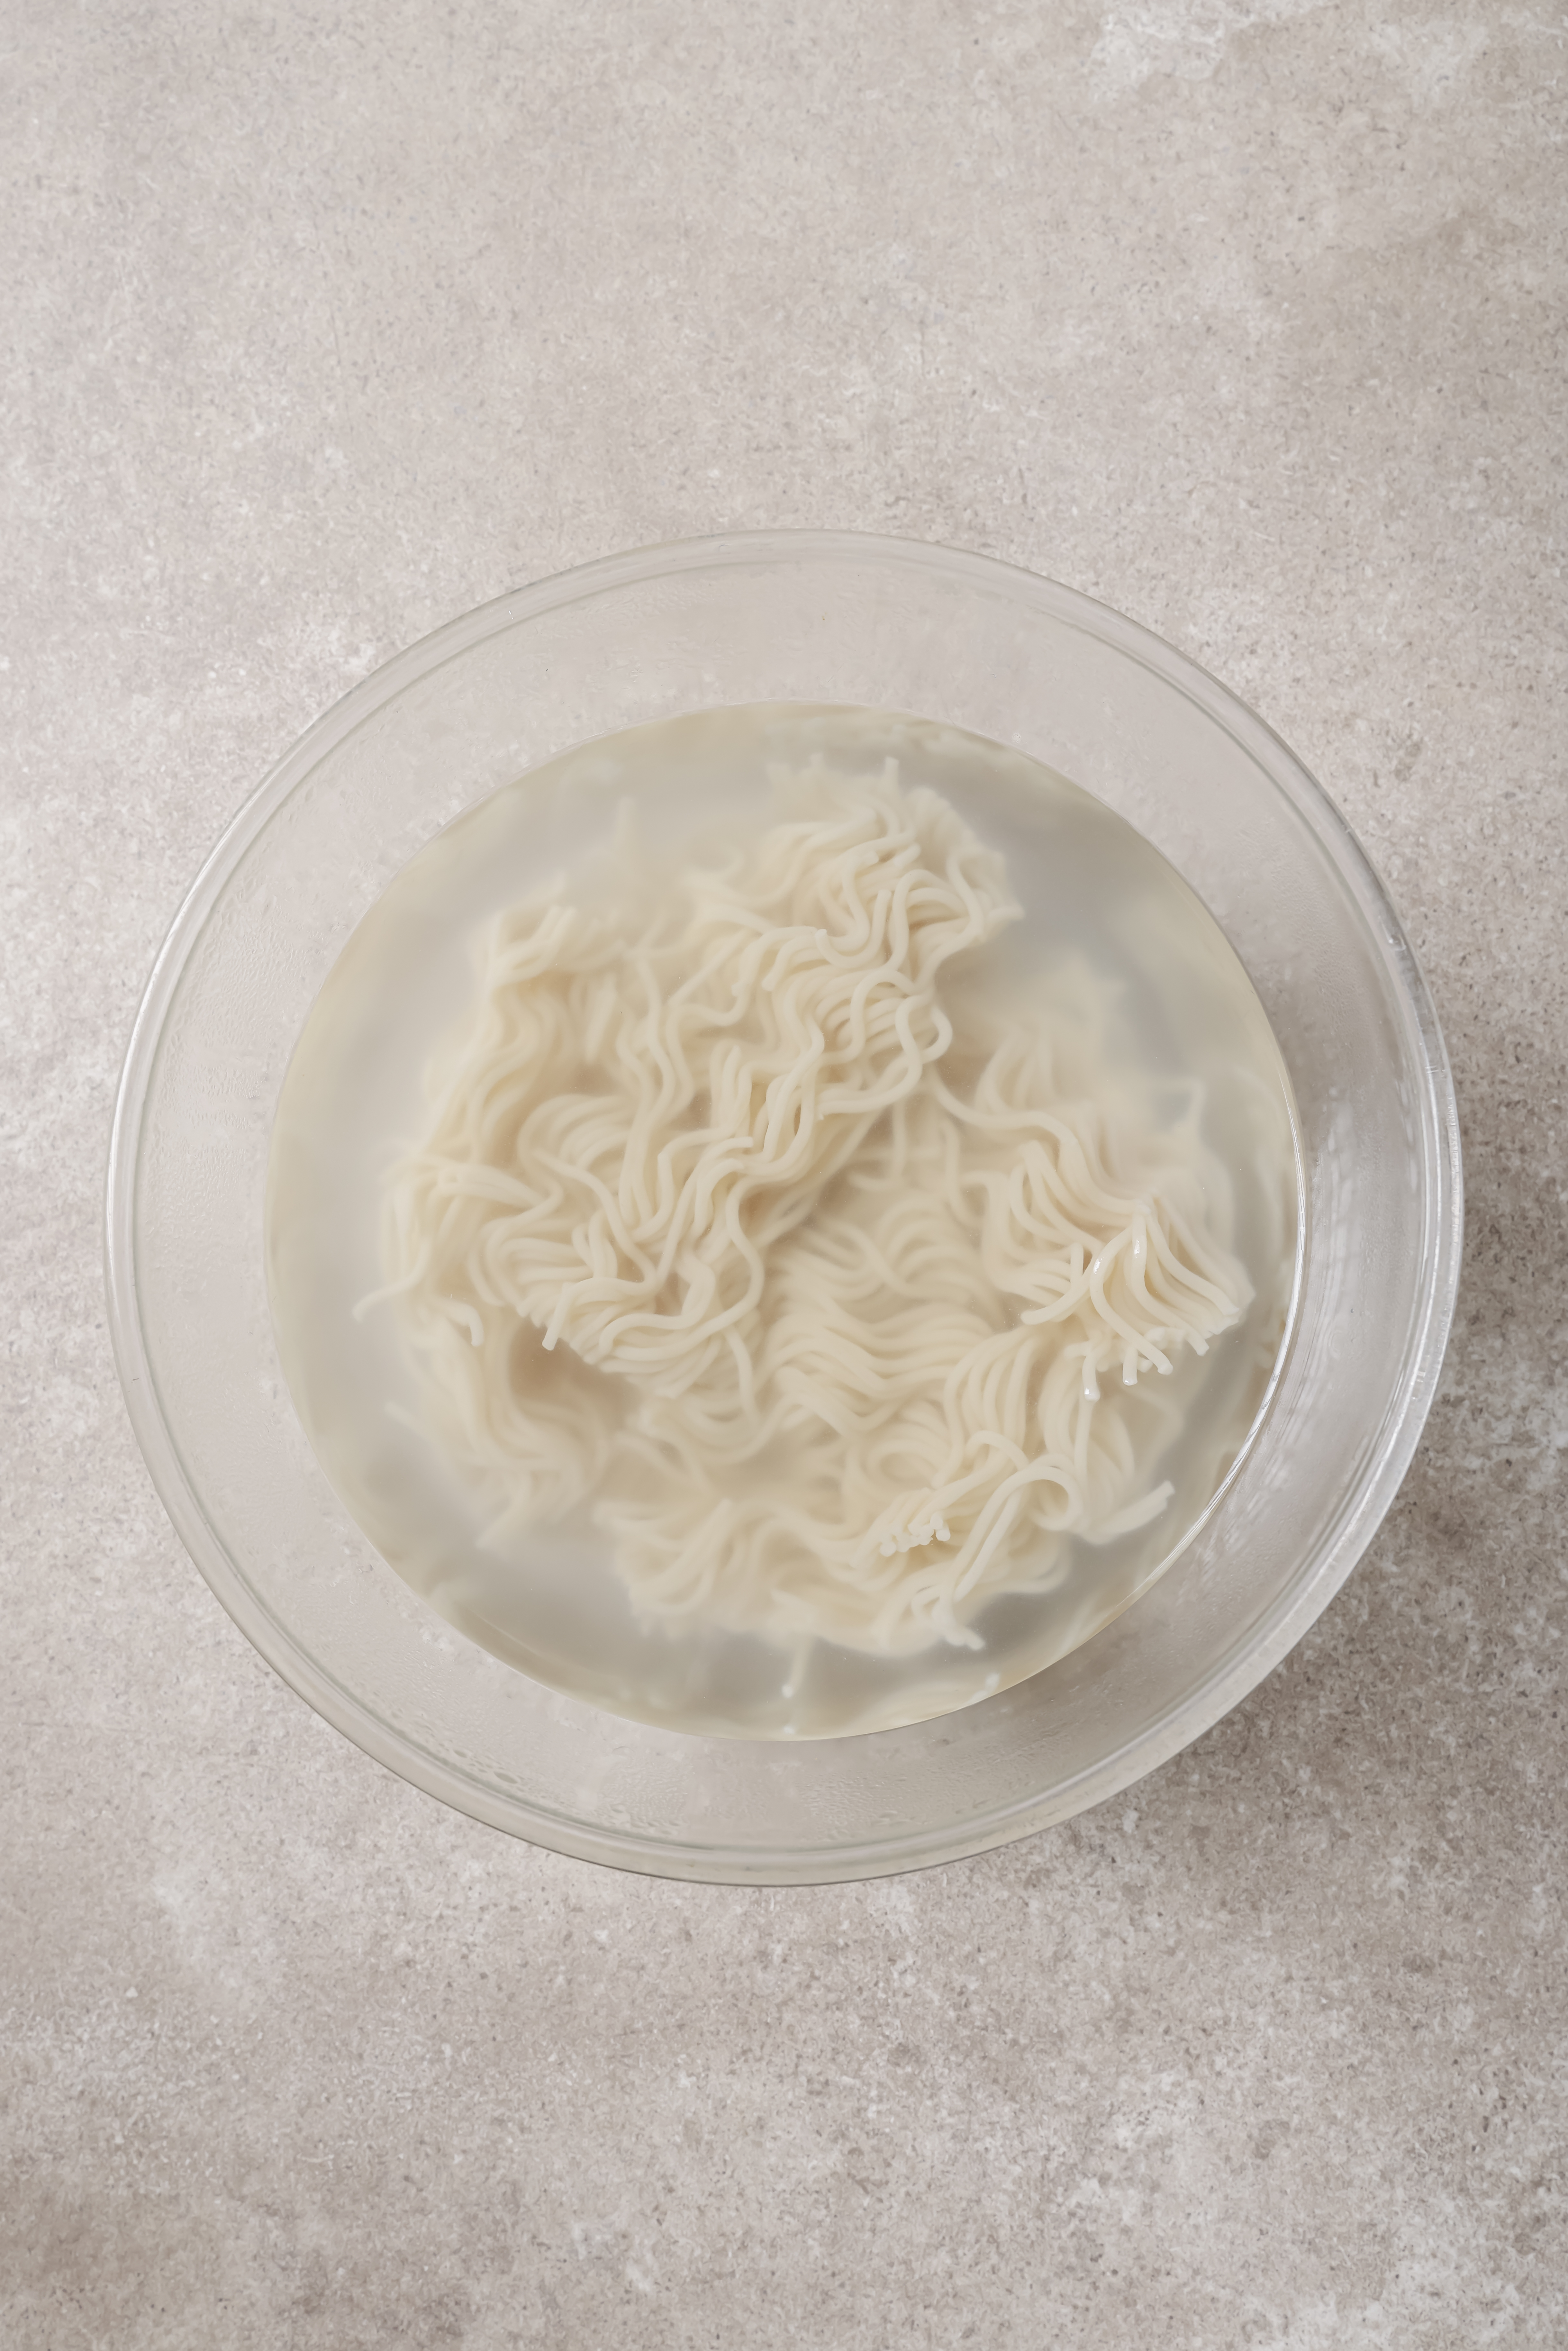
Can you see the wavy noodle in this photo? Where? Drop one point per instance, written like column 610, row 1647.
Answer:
column 743, row 1217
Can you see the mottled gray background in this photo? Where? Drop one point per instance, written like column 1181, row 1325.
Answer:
column 331, row 320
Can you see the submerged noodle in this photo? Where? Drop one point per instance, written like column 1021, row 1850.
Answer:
column 747, row 1218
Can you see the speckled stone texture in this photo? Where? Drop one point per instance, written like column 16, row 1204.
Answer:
column 327, row 321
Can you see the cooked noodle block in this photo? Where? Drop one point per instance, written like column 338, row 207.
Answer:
column 833, row 1283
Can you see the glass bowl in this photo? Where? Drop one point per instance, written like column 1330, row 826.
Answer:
column 778, row 617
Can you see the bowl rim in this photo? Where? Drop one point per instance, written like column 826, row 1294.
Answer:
column 1258, row 1648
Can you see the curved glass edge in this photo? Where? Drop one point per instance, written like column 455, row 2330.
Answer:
column 1264, row 1646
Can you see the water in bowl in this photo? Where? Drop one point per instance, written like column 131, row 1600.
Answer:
column 548, row 1598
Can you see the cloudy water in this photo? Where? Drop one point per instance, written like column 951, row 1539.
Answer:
column 1102, row 910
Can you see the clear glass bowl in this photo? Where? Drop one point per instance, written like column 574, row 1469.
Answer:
column 768, row 617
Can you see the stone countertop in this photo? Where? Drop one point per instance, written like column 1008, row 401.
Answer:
column 1243, row 315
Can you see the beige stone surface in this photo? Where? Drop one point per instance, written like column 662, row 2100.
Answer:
column 327, row 321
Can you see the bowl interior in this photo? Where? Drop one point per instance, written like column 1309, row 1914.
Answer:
column 1104, row 921
column 780, row 619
